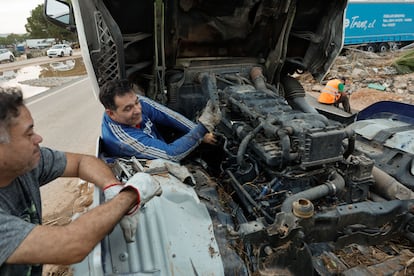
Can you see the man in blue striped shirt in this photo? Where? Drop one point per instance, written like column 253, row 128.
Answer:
column 129, row 126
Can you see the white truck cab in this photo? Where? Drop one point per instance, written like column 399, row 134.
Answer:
column 289, row 186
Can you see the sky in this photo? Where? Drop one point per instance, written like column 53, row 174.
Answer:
column 14, row 14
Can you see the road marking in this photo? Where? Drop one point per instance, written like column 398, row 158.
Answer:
column 56, row 92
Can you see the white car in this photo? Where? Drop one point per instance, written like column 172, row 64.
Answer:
column 59, row 50
column 6, row 55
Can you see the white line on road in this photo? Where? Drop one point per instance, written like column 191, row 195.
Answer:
column 57, row 91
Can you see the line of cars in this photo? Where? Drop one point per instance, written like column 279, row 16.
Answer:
column 57, row 50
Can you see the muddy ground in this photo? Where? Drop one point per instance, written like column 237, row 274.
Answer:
column 362, row 69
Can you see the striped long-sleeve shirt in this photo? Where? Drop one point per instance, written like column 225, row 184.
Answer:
column 146, row 141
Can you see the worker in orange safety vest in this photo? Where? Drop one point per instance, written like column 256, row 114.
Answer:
column 333, row 93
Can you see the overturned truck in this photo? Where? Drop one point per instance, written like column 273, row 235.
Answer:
column 288, row 189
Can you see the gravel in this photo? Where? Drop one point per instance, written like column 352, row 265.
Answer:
column 49, row 82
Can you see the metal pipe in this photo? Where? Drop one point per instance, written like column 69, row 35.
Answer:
column 256, row 75
column 209, row 86
column 285, row 144
column 249, row 202
column 330, row 187
column 389, row 187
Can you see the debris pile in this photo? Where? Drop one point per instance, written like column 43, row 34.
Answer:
column 371, row 77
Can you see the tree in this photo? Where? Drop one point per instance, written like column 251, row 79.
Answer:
column 38, row 27
column 12, row 39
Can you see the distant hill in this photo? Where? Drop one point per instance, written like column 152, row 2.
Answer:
column 5, row 35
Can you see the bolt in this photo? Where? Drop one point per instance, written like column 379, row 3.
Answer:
column 123, row 257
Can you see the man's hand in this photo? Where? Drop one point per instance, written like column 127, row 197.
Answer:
column 146, row 188
column 210, row 138
column 210, row 117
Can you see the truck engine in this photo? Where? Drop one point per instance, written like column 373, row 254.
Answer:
column 293, row 179
column 288, row 189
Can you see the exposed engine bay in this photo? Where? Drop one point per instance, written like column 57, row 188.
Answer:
column 287, row 187
column 288, row 190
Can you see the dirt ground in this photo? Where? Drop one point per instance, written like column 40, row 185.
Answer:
column 60, row 205
column 364, row 70
column 361, row 69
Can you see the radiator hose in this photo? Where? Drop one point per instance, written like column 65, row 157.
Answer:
column 295, row 95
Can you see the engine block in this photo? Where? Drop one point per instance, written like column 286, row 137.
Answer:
column 279, row 135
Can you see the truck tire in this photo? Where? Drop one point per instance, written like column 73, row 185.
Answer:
column 394, row 46
column 383, row 47
column 370, row 48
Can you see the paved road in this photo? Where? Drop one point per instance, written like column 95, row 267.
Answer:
column 68, row 117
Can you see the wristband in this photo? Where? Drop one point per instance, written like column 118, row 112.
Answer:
column 111, row 185
column 111, row 190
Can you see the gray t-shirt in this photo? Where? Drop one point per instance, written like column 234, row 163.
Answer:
column 20, row 209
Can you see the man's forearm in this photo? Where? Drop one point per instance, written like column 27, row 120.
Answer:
column 89, row 168
column 73, row 242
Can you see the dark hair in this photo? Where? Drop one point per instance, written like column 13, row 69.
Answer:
column 11, row 99
column 111, row 89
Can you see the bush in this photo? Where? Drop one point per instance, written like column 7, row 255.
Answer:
column 405, row 63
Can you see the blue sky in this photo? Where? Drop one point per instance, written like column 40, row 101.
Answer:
column 13, row 15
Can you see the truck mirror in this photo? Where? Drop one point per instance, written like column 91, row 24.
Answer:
column 59, row 13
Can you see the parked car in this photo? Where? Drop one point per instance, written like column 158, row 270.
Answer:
column 59, row 50
column 5, row 54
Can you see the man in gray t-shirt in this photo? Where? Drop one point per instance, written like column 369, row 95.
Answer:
column 25, row 244
column 20, row 207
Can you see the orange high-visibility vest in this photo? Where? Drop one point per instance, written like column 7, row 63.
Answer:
column 329, row 93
